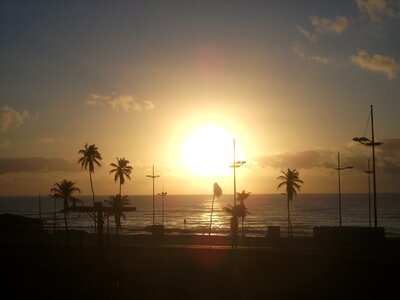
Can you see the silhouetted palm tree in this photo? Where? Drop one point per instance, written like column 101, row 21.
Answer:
column 241, row 197
column 239, row 211
column 236, row 212
column 64, row 190
column 217, row 193
column 121, row 169
column 90, row 157
column 117, row 203
column 292, row 182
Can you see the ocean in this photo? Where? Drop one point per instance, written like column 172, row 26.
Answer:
column 307, row 211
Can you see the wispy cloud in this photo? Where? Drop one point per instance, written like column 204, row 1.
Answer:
column 355, row 155
column 389, row 155
column 312, row 37
column 335, row 26
column 50, row 140
column 376, row 63
column 299, row 51
column 10, row 118
column 4, row 144
column 118, row 102
column 300, row 160
column 36, row 164
column 377, row 10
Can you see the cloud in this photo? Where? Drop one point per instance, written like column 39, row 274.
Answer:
column 124, row 103
column 324, row 25
column 298, row 50
column 4, row 144
column 300, row 160
column 356, row 155
column 50, row 140
column 377, row 10
column 377, row 63
column 119, row 103
column 389, row 155
column 148, row 105
column 10, row 118
column 36, row 164
column 308, row 35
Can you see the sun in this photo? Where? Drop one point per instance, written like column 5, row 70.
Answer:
column 208, row 151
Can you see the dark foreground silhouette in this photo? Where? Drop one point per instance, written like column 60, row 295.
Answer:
column 149, row 269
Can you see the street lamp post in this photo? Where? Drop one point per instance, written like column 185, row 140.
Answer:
column 369, row 172
column 236, row 164
column 340, row 198
column 163, row 194
column 154, row 212
column 371, row 143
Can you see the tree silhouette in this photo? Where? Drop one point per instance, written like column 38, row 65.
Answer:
column 236, row 212
column 121, row 169
column 64, row 190
column 241, row 197
column 117, row 203
column 291, row 180
column 90, row 157
column 217, row 193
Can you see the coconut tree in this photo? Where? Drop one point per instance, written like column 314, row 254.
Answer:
column 217, row 193
column 241, row 197
column 64, row 190
column 90, row 157
column 117, row 203
column 121, row 169
column 236, row 212
column 291, row 180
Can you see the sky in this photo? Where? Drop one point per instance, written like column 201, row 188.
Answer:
column 172, row 83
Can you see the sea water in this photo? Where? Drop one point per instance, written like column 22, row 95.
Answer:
column 307, row 211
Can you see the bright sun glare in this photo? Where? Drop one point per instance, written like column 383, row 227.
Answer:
column 208, row 151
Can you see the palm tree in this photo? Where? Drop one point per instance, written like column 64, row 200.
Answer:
column 217, row 193
column 292, row 182
column 117, row 202
column 121, row 169
column 236, row 212
column 64, row 190
column 241, row 197
column 90, row 157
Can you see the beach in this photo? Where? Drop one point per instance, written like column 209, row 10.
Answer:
column 186, row 267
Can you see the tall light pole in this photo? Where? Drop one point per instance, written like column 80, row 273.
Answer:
column 369, row 172
column 367, row 142
column 163, row 194
column 340, row 198
column 236, row 164
column 154, row 212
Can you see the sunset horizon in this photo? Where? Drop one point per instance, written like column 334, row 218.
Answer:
column 291, row 83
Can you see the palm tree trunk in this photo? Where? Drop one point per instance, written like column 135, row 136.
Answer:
column 93, row 197
column 91, row 186
column 243, row 226
column 117, row 225
column 66, row 219
column 65, row 214
column 212, row 209
column 120, row 187
column 289, row 222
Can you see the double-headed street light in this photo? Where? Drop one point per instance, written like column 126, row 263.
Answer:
column 163, row 194
column 154, row 212
column 339, row 168
column 371, row 143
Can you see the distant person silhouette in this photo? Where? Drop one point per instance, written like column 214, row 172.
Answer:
column 234, row 229
column 184, row 223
